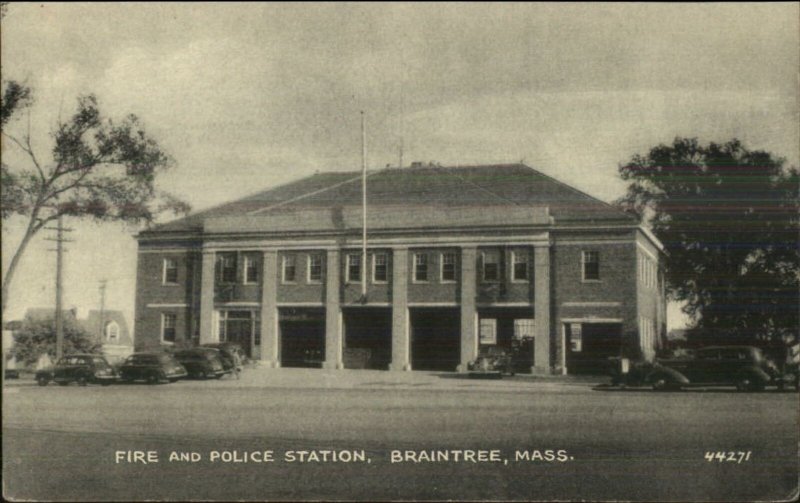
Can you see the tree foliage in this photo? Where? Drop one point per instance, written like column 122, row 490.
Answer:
column 97, row 168
column 37, row 336
column 728, row 218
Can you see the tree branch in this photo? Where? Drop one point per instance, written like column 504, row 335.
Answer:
column 28, row 150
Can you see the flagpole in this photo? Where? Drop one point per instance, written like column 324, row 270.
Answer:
column 364, row 267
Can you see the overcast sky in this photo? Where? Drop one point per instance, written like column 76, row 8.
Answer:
column 246, row 96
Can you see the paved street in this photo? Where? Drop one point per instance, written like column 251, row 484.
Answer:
column 62, row 442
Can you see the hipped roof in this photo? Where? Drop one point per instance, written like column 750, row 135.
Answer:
column 506, row 192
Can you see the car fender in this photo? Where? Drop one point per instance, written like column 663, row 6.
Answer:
column 673, row 374
column 755, row 372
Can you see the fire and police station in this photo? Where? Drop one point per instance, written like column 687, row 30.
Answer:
column 458, row 260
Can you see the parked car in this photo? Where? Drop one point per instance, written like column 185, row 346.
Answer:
column 227, row 349
column 205, row 363
column 152, row 368
column 80, row 368
column 492, row 362
column 745, row 367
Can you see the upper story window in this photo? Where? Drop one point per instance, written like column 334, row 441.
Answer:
column 227, row 267
column 169, row 274
column 112, row 331
column 448, row 267
column 591, row 265
column 491, row 265
column 353, row 267
column 520, row 271
column 315, row 268
column 289, row 269
column 380, row 270
column 250, row 268
column 420, row 267
column 168, row 324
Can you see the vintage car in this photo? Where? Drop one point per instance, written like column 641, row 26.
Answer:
column 80, row 368
column 152, row 368
column 745, row 367
column 227, row 350
column 202, row 363
column 492, row 361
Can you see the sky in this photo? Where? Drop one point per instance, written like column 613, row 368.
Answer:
column 248, row 96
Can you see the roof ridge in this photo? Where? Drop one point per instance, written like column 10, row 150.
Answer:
column 314, row 192
column 573, row 189
column 248, row 196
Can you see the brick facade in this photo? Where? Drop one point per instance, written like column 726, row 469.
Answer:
column 513, row 271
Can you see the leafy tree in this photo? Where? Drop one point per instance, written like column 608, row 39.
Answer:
column 728, row 218
column 98, row 169
column 37, row 336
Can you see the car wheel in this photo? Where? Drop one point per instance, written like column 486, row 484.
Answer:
column 82, row 381
column 42, row 381
column 152, row 379
column 744, row 383
column 63, row 383
column 661, row 383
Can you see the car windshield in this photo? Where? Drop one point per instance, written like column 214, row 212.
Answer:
column 101, row 362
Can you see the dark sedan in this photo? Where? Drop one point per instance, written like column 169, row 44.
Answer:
column 202, row 363
column 152, row 368
column 81, row 368
column 745, row 367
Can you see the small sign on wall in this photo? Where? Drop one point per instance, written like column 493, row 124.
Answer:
column 576, row 337
column 488, row 331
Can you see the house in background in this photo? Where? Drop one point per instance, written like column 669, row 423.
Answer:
column 109, row 328
column 460, row 260
column 112, row 332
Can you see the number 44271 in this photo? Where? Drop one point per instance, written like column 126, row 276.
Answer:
column 727, row 457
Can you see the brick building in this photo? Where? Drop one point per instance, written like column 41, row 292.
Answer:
column 459, row 258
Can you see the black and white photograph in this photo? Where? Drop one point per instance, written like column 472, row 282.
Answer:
column 400, row 251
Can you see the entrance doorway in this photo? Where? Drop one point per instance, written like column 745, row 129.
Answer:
column 589, row 345
column 302, row 337
column 435, row 339
column 367, row 338
column 240, row 327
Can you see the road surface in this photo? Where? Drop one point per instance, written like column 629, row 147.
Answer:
column 520, row 442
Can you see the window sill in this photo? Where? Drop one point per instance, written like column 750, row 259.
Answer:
column 448, row 281
column 591, row 281
column 170, row 284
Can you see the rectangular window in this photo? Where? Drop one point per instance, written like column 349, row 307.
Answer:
column 488, row 331
column 168, row 322
column 227, row 267
column 353, row 267
column 523, row 328
column 520, row 272
column 420, row 267
column 289, row 269
column 250, row 269
column 448, row 267
column 170, row 272
column 379, row 268
column 315, row 268
column 591, row 266
column 491, row 265
column 576, row 337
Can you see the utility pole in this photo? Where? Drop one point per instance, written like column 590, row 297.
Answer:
column 59, row 239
